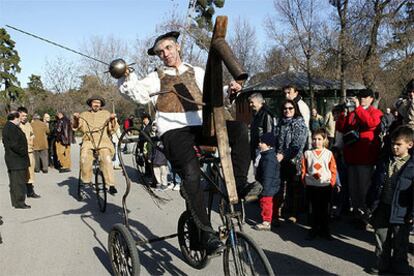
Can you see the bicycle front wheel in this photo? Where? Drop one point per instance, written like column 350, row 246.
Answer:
column 100, row 190
column 243, row 256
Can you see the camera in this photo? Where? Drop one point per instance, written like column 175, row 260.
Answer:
column 350, row 103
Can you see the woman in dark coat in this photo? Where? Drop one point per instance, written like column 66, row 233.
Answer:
column 291, row 135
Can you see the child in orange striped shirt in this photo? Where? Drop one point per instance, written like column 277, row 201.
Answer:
column 319, row 176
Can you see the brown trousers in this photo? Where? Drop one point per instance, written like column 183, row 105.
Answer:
column 63, row 155
column 105, row 164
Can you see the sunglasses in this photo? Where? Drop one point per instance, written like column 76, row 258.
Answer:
column 288, row 108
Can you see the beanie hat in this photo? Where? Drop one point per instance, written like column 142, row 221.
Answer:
column 268, row 139
column 366, row 93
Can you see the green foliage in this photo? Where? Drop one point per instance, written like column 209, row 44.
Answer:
column 35, row 84
column 9, row 67
column 49, row 110
column 205, row 11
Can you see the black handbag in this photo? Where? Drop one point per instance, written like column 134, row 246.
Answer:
column 352, row 136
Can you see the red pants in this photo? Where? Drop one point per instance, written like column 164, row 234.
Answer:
column 266, row 203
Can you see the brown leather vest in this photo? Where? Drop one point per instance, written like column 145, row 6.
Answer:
column 183, row 84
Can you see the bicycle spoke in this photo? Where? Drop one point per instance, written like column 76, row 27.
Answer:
column 243, row 257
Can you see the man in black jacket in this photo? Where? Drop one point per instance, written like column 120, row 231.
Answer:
column 17, row 160
column 263, row 122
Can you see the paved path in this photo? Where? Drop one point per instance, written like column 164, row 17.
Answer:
column 62, row 236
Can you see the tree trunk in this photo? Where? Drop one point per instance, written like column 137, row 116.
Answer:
column 308, row 72
column 342, row 12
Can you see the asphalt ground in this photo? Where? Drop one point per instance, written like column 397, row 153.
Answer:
column 60, row 235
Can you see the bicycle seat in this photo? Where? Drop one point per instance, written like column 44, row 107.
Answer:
column 208, row 149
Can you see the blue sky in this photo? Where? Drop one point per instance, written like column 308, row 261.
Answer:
column 72, row 22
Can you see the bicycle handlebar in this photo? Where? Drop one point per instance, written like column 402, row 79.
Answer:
column 90, row 131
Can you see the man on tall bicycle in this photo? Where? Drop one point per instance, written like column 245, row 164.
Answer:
column 180, row 126
column 97, row 126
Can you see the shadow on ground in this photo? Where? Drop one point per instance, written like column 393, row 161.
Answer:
column 155, row 257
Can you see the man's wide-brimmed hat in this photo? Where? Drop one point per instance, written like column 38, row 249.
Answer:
column 173, row 34
column 95, row 97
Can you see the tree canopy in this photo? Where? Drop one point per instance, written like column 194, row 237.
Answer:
column 9, row 66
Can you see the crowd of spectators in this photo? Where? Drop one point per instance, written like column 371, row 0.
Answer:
column 354, row 162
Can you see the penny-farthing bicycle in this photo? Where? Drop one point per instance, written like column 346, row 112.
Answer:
column 99, row 181
column 242, row 256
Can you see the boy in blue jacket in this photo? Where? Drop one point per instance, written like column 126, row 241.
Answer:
column 393, row 205
column 268, row 175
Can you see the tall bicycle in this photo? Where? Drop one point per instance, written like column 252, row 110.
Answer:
column 99, row 180
column 242, row 256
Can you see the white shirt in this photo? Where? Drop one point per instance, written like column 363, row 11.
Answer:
column 140, row 90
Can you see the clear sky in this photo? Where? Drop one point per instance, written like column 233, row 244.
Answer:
column 72, row 22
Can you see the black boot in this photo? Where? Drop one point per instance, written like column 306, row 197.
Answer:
column 30, row 191
column 212, row 243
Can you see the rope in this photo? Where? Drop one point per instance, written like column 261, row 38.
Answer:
column 178, row 95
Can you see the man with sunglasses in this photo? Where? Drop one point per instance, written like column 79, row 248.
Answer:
column 179, row 120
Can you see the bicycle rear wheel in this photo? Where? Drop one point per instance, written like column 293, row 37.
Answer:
column 243, row 256
column 100, row 189
column 189, row 241
column 123, row 252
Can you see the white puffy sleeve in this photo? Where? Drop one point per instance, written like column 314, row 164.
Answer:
column 139, row 90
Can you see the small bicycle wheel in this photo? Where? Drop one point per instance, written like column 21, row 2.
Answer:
column 243, row 256
column 189, row 241
column 100, row 189
column 123, row 252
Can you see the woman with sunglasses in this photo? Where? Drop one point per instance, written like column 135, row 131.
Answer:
column 291, row 135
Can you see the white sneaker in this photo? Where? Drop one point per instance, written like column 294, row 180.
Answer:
column 176, row 188
column 264, row 226
column 170, row 186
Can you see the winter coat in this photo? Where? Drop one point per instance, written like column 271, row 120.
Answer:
column 402, row 201
column 128, row 123
column 365, row 151
column 304, row 110
column 268, row 172
column 329, row 124
column 262, row 123
column 157, row 157
column 316, row 122
column 291, row 137
column 16, row 152
column 63, row 131
column 40, row 130
column 405, row 108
